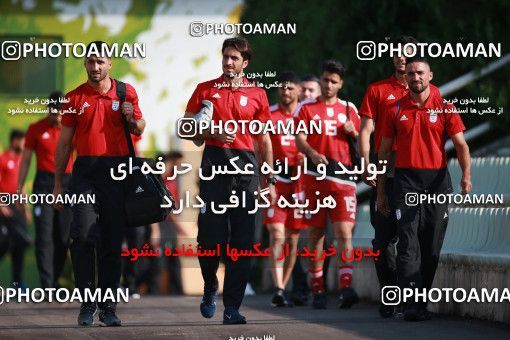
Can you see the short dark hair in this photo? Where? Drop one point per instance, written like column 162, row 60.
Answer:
column 98, row 44
column 310, row 77
column 417, row 59
column 55, row 96
column 289, row 77
column 406, row 39
column 172, row 155
column 240, row 44
column 334, row 66
column 16, row 134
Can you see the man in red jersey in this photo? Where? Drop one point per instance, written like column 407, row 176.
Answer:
column 419, row 127
column 285, row 224
column 94, row 125
column 340, row 121
column 14, row 215
column 310, row 87
column 378, row 97
column 51, row 226
column 236, row 99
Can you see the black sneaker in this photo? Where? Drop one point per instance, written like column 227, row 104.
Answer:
column 347, row 297
column 87, row 312
column 208, row 304
column 319, row 301
column 231, row 316
column 108, row 317
column 386, row 311
column 415, row 313
column 299, row 298
column 280, row 299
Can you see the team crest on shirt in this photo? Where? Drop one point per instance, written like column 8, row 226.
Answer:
column 115, row 105
column 342, row 118
column 433, row 117
column 243, row 101
column 270, row 212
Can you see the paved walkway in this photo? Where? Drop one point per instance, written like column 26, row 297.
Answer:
column 179, row 318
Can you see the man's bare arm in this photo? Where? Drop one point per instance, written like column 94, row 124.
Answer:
column 384, row 154
column 304, row 147
column 265, row 150
column 62, row 154
column 367, row 127
column 462, row 149
column 23, row 168
column 136, row 126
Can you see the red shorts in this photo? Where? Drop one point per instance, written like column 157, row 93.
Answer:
column 292, row 218
column 344, row 194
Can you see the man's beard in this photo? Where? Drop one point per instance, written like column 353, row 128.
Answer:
column 17, row 150
column 96, row 81
column 418, row 91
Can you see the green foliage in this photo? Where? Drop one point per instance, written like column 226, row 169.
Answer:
column 331, row 29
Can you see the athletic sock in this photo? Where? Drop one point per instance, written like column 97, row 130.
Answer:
column 345, row 276
column 316, row 281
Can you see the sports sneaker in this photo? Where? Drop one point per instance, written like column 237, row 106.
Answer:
column 299, row 298
column 280, row 299
column 231, row 316
column 415, row 313
column 108, row 317
column 319, row 301
column 386, row 311
column 208, row 304
column 87, row 312
column 347, row 297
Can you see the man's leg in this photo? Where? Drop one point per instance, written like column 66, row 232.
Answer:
column 44, row 246
column 242, row 233
column 112, row 221
column 385, row 240
column 431, row 237
column 385, row 228
column 61, row 241
column 212, row 231
column 276, row 240
column 292, row 239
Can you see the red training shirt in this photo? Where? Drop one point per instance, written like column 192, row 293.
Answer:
column 247, row 102
column 42, row 138
column 9, row 171
column 332, row 142
column 381, row 97
column 420, row 134
column 97, row 119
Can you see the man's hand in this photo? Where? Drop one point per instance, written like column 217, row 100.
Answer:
column 57, row 190
column 465, row 185
column 382, row 204
column 225, row 138
column 372, row 182
column 349, row 129
column 5, row 211
column 127, row 110
column 318, row 158
column 272, row 193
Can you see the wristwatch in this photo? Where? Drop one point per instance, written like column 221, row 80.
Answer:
column 271, row 180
